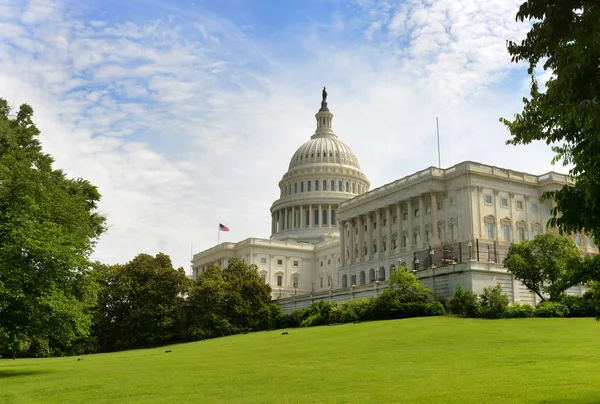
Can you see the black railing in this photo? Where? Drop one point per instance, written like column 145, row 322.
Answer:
column 455, row 253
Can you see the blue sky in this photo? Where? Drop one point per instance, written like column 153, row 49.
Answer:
column 186, row 113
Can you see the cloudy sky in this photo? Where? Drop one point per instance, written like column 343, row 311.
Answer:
column 185, row 113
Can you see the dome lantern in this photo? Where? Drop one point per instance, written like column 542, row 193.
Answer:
column 324, row 119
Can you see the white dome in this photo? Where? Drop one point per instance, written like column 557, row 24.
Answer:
column 324, row 149
column 322, row 174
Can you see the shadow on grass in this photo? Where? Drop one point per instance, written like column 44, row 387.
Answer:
column 5, row 374
column 588, row 400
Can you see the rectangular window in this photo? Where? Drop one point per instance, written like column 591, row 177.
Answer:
column 395, row 219
column 324, row 185
column 340, row 187
column 453, row 201
column 295, row 263
column 521, row 234
column 549, row 211
column 416, row 212
column 321, row 263
column 534, row 207
column 520, row 205
column 263, row 260
column 263, row 277
column 279, row 280
column 427, row 208
column 279, row 262
column 384, row 222
column 488, row 199
column 302, row 186
column 295, row 281
column 374, row 225
column 490, row 230
column 321, row 281
column 309, row 186
column 316, row 185
column 440, row 205
column 404, row 241
column 506, row 230
column 504, row 202
column 329, row 281
column 405, row 216
column 328, row 262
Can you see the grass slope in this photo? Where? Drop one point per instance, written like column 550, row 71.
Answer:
column 422, row 360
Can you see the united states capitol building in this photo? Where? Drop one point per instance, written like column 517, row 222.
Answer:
column 333, row 238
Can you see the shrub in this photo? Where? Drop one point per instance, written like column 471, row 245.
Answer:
column 493, row 302
column 578, row 306
column 551, row 309
column 314, row 320
column 273, row 318
column 465, row 302
column 351, row 310
column 296, row 317
column 519, row 311
column 435, row 309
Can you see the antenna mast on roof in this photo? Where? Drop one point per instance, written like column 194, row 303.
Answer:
column 438, row 142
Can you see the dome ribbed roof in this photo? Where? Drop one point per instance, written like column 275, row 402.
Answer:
column 324, row 149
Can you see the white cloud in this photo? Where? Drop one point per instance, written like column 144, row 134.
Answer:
column 183, row 124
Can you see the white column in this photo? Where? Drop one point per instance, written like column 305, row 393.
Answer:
column 301, row 216
column 497, row 225
column 388, row 218
column 421, row 220
column 369, row 234
column 343, row 241
column 513, row 217
column 379, row 230
column 320, row 216
column 527, row 225
column 411, row 227
column 398, row 226
column 434, row 225
column 285, row 219
column 293, row 226
column 329, row 221
column 352, row 226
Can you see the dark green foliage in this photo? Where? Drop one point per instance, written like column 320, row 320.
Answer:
column 229, row 301
column 551, row 309
column 493, row 302
column 435, row 309
column 49, row 225
column 140, row 303
column 272, row 317
column 564, row 37
column 465, row 302
column 351, row 310
column 519, row 311
column 580, row 306
column 548, row 264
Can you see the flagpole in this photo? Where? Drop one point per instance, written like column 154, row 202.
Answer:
column 219, row 234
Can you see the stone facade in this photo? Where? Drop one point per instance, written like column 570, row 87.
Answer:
column 331, row 235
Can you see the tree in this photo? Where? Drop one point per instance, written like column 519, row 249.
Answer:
column 49, row 225
column 140, row 304
column 564, row 37
column 228, row 301
column 545, row 265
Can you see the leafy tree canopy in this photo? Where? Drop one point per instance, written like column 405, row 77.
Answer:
column 545, row 265
column 564, row 39
column 49, row 225
column 141, row 303
column 228, row 301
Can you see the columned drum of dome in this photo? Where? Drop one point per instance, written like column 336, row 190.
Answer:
column 323, row 172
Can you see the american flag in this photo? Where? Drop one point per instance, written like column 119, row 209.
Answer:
column 222, row 227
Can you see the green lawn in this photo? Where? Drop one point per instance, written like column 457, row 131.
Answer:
column 422, row 360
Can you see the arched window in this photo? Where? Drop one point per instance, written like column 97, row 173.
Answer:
column 296, row 188
column 353, row 279
column 324, row 216
column 374, row 246
column 382, row 273
column 324, row 185
column 395, row 241
column 302, row 186
column 356, row 250
column 384, row 244
column 347, row 186
column 316, row 217
column 332, row 216
column 365, row 249
column 340, row 188
column 317, row 185
column 353, row 188
column 345, row 281
column 362, row 278
column 332, row 185
column 307, row 217
column 309, row 186
column 371, row 275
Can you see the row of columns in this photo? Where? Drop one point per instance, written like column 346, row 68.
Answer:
column 294, row 217
column 349, row 239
